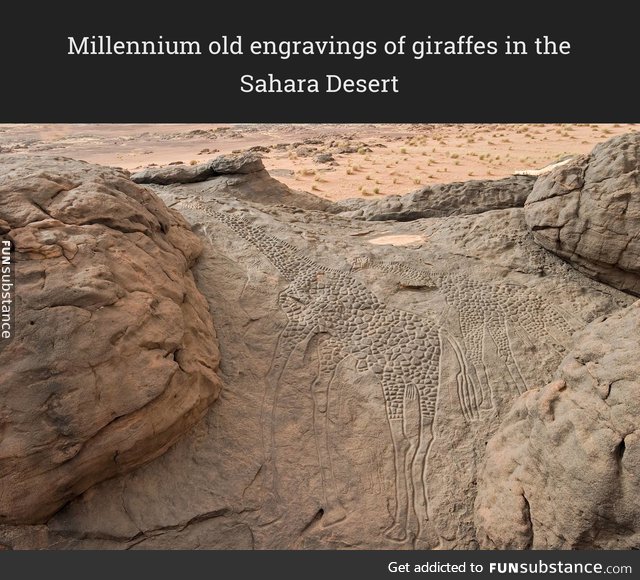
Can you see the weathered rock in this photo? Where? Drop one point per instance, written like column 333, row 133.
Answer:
column 562, row 471
column 345, row 347
column 242, row 176
column 324, row 158
column 467, row 197
column 588, row 212
column 255, row 188
column 217, row 484
column 114, row 354
column 247, row 162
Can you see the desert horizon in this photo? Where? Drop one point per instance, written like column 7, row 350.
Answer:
column 333, row 161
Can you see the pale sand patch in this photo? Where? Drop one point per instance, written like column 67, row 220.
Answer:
column 543, row 170
column 397, row 240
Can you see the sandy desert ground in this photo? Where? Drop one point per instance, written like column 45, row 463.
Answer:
column 332, row 161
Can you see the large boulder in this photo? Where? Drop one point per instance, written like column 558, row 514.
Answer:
column 247, row 162
column 114, row 355
column 445, row 199
column 588, row 212
column 562, row 471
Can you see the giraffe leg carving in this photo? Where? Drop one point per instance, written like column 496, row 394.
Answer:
column 420, row 476
column 401, row 448
column 289, row 338
column 329, row 356
column 420, row 468
column 500, row 336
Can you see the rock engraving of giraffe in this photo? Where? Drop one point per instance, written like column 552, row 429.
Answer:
column 498, row 312
column 401, row 348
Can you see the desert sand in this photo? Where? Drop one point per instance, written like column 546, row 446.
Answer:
column 333, row 161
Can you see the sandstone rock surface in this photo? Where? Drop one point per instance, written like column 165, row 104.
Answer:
column 244, row 163
column 240, row 175
column 115, row 355
column 466, row 197
column 366, row 365
column 562, row 471
column 588, row 212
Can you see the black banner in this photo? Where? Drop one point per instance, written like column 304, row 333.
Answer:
column 401, row 62
column 321, row 565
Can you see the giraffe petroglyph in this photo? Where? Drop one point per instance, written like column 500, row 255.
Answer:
column 341, row 317
column 497, row 311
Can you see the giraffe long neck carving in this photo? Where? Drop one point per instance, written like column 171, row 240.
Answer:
column 289, row 261
column 402, row 349
column 408, row 276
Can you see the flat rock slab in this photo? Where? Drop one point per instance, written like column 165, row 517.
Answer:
column 247, row 162
column 466, row 197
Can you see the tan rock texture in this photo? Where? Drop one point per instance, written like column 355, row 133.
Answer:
column 311, row 338
column 115, row 354
column 444, row 199
column 366, row 366
column 588, row 212
column 242, row 175
column 180, row 173
column 563, row 469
